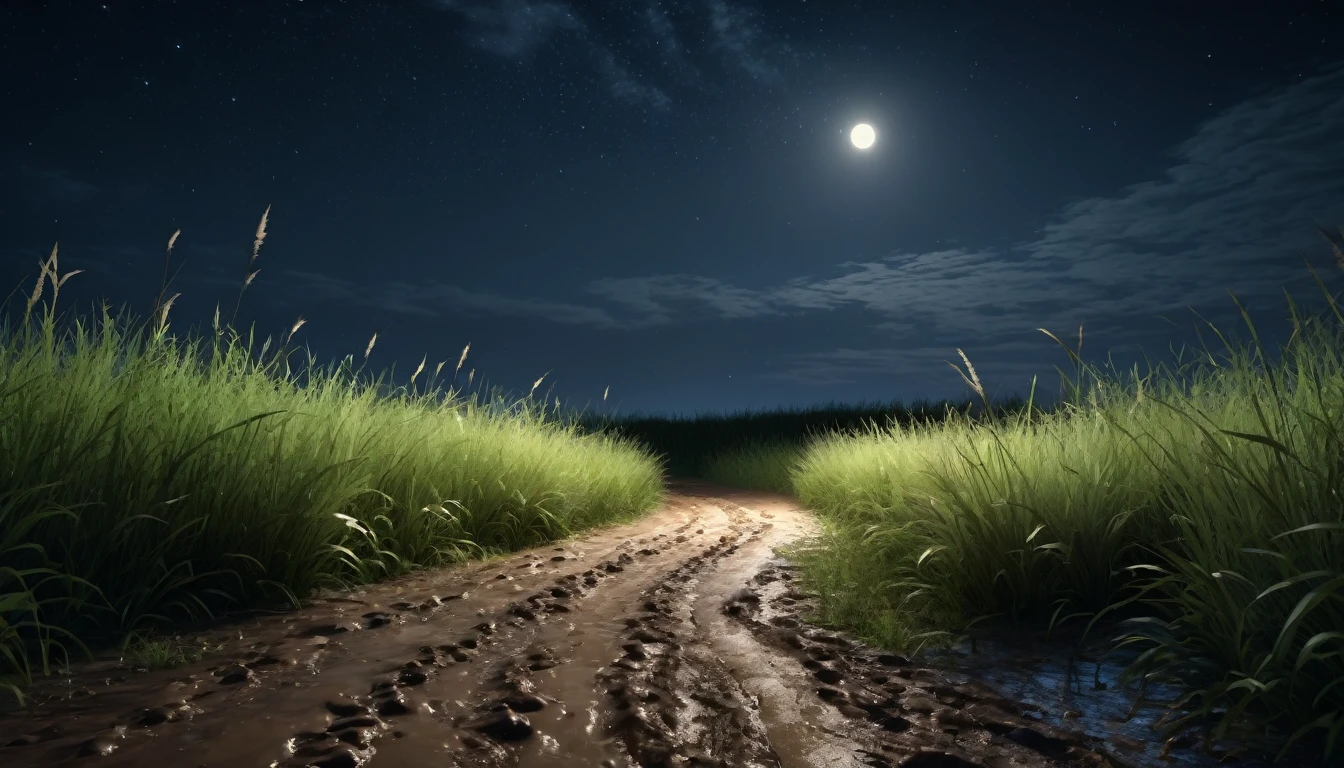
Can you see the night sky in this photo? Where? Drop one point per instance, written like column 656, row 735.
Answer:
column 661, row 197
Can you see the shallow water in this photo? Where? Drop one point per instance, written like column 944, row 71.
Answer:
column 1083, row 695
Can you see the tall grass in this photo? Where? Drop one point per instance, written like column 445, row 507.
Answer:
column 1194, row 512
column 148, row 479
column 690, row 444
column 1191, row 512
column 766, row 466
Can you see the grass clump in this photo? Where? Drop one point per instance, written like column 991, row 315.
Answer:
column 766, row 466
column 689, row 445
column 151, row 652
column 1190, row 514
column 148, row 480
column 1194, row 513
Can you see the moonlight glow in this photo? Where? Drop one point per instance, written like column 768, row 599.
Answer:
column 863, row 136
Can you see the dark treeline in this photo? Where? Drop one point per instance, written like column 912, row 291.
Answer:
column 687, row 443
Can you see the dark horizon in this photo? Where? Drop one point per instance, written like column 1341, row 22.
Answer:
column 662, row 198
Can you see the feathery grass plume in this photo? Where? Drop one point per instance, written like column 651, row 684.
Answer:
column 42, row 268
column 973, row 381
column 461, row 360
column 418, row 370
column 163, row 313
column 166, row 279
column 251, row 273
column 48, row 272
column 470, row 375
column 214, row 323
column 537, row 383
column 282, row 354
column 1074, row 383
column 605, row 392
column 369, row 349
column 295, row 328
column 261, row 234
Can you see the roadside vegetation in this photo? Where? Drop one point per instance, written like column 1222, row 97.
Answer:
column 150, row 480
column 1191, row 513
column 691, row 446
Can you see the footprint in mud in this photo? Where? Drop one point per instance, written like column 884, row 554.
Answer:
column 376, row 619
column 357, row 722
column 908, row 708
column 502, row 719
column 671, row 704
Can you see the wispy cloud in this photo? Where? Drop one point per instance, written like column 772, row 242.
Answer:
column 624, row 85
column 670, row 47
column 513, row 27
column 1234, row 211
column 1239, row 202
column 1012, row 361
column 655, row 300
column 517, row 28
column 738, row 33
column 431, row 298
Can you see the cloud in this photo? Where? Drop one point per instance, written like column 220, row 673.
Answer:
column 738, row 34
column 517, row 28
column 431, row 298
column 625, row 86
column 1240, row 199
column 513, row 27
column 652, row 299
column 1238, row 204
column 1235, row 211
column 669, row 44
column 1012, row 361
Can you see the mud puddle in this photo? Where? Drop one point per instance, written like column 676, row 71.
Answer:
column 672, row 641
column 1084, row 691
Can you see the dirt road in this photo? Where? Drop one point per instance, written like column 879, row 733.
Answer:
column 673, row 641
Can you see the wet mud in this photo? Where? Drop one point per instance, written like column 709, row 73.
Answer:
column 677, row 640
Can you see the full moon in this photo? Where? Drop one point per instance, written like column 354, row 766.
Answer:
column 863, row 136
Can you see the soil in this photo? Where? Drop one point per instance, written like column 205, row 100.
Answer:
column 676, row 640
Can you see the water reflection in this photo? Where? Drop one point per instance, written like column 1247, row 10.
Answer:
column 1085, row 695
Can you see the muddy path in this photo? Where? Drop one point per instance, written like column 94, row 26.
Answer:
column 672, row 641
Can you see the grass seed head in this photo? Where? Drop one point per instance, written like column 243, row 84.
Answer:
column 462, row 359
column 295, row 328
column 260, row 236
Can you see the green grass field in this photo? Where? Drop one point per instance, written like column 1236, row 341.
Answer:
column 1193, row 513
column 148, row 481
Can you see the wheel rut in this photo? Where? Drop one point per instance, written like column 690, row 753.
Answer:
column 672, row 641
